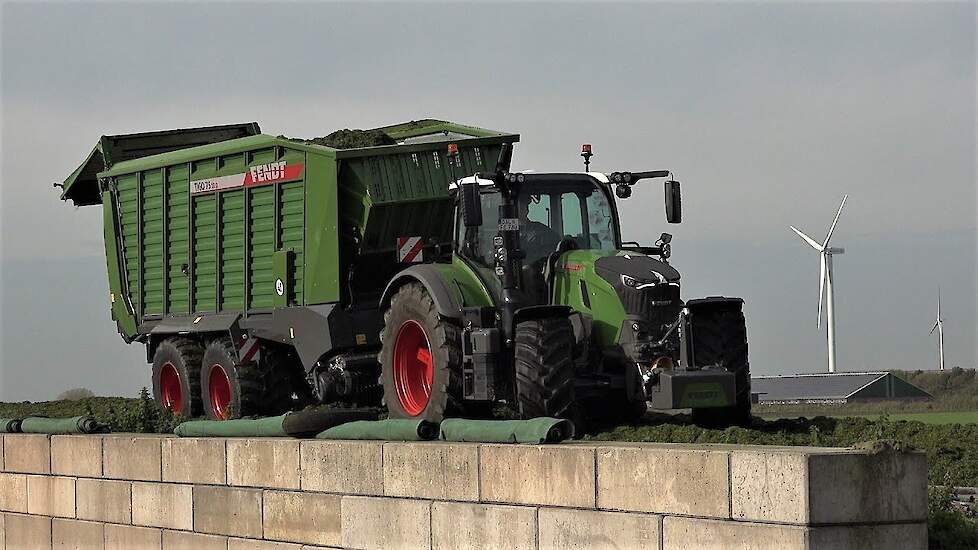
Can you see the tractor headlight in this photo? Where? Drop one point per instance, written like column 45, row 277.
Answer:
column 630, row 282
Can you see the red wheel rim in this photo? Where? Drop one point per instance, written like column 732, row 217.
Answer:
column 171, row 390
column 413, row 368
column 219, row 389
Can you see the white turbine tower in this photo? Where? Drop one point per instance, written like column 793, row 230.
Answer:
column 825, row 253
column 939, row 327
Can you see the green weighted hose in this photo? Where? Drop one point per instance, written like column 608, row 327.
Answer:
column 535, row 430
column 73, row 425
column 244, row 427
column 393, row 429
column 9, row 425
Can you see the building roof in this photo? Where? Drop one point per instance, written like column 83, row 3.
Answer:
column 820, row 386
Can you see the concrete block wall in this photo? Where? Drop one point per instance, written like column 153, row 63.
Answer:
column 161, row 492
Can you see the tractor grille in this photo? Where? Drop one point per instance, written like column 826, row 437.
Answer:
column 658, row 304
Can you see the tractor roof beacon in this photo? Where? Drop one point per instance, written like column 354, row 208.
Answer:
column 263, row 273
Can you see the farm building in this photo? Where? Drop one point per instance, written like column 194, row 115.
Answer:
column 840, row 387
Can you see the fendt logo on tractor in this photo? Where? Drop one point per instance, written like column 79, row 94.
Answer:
column 398, row 268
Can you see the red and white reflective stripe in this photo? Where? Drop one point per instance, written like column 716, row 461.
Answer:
column 409, row 250
column 249, row 350
column 260, row 174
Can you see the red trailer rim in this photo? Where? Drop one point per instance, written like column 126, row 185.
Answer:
column 413, row 368
column 219, row 389
column 171, row 390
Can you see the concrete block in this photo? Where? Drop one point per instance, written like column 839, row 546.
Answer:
column 711, row 534
column 51, row 496
column 103, row 500
column 311, row 518
column 128, row 537
column 22, row 532
column 165, row 505
column 13, row 493
column 551, row 475
column 3, row 529
column 269, row 463
column 349, row 467
column 183, row 540
column 194, row 460
column 906, row 536
column 471, row 525
column 136, row 458
column 251, row 544
column 27, row 453
column 443, row 471
column 70, row 534
column 76, row 455
column 564, row 528
column 863, row 487
column 376, row 522
column 664, row 480
column 228, row 511
column 812, row 486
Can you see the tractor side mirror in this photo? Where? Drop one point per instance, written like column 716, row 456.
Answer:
column 471, row 203
column 674, row 205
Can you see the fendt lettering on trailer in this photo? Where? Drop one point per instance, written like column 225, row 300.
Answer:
column 261, row 174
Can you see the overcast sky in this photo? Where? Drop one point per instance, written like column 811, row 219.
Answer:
column 768, row 113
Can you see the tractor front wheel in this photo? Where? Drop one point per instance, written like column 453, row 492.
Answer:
column 545, row 367
column 721, row 339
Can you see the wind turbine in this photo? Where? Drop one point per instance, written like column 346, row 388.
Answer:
column 939, row 326
column 825, row 253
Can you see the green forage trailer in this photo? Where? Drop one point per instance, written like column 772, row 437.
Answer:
column 409, row 267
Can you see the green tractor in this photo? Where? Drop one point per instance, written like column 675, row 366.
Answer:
column 559, row 317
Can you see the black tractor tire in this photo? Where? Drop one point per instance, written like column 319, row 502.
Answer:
column 412, row 310
column 228, row 389
column 721, row 339
column 176, row 376
column 545, row 367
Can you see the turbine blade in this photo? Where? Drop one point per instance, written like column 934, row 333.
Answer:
column 821, row 287
column 835, row 221
column 808, row 239
column 935, row 328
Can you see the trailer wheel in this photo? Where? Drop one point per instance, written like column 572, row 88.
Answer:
column 721, row 339
column 229, row 389
column 545, row 367
column 420, row 359
column 176, row 376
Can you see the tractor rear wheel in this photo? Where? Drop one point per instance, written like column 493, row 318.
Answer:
column 545, row 367
column 421, row 358
column 229, row 389
column 721, row 339
column 176, row 376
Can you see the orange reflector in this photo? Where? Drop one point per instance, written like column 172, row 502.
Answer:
column 586, row 148
column 452, row 149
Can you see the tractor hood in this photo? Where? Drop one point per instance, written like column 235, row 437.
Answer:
column 643, row 269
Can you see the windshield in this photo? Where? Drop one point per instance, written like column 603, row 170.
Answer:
column 549, row 213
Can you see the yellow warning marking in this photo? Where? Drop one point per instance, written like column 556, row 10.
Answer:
column 197, row 320
column 361, row 339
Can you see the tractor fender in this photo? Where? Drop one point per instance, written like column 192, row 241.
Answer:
column 438, row 288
